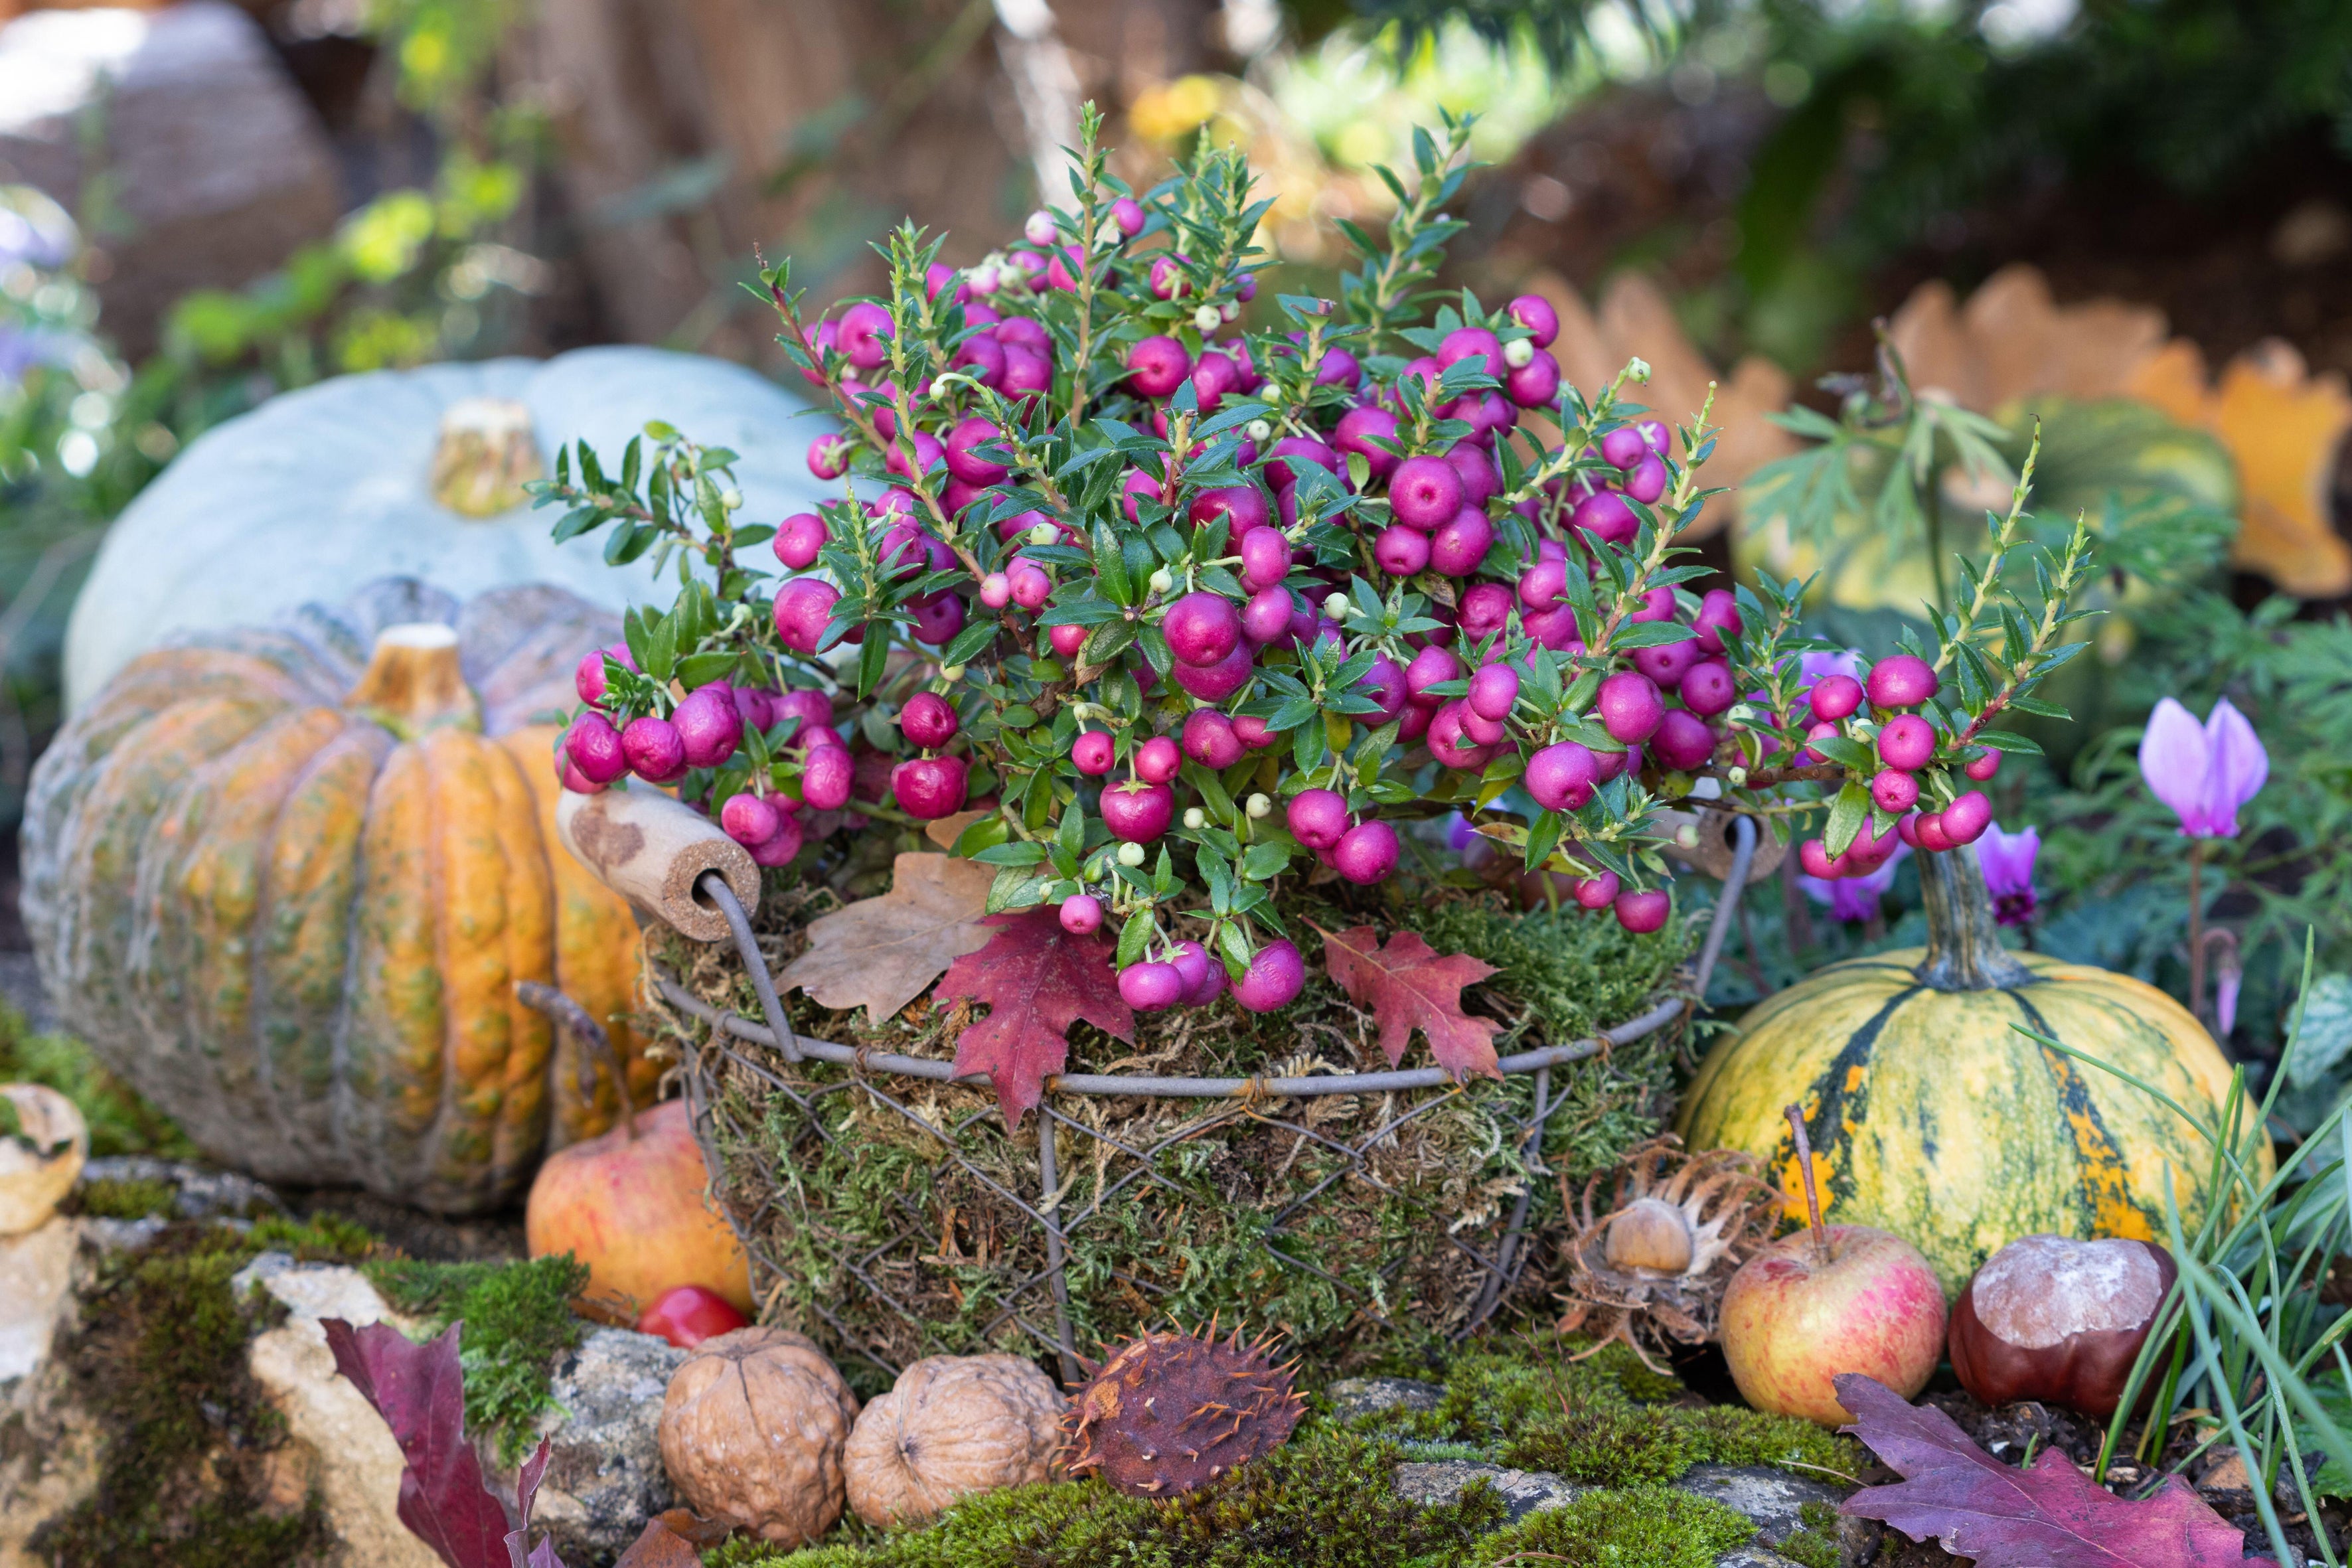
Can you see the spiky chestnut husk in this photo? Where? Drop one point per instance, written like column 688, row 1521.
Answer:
column 1719, row 1211
column 1172, row 1412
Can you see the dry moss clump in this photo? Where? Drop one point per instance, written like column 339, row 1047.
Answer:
column 889, row 1212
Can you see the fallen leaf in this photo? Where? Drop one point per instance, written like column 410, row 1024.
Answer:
column 2012, row 339
column 1037, row 980
column 420, row 1392
column 1410, row 986
column 660, row 1546
column 881, row 953
column 39, row 1168
column 944, row 831
column 2051, row 1516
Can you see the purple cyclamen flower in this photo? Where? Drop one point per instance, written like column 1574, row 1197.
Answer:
column 2225, row 998
column 2007, row 861
column 1854, row 898
column 2204, row 772
column 1459, row 833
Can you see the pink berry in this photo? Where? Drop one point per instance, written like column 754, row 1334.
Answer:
column 1065, row 641
column 1927, row 833
column 1384, row 684
column 596, row 748
column 1201, row 627
column 1093, row 753
column 1134, row 486
column 1893, row 790
column 1814, row 856
column 1168, row 279
column 827, row 775
column 588, row 679
column 982, row 355
column 1604, row 515
column 1356, row 431
column 1318, row 817
column 1667, row 663
column 1708, row 688
column 1029, row 585
column 1424, row 492
column 709, row 727
column 928, row 788
column 1647, row 482
column 1243, row 508
column 1268, row 615
column 969, row 434
column 1137, row 812
column 1643, row 913
column 802, row 607
column 1274, row 979
column 1339, row 367
column 1629, row 707
column 1481, row 730
column 1266, row 557
column 781, row 846
column 1907, row 741
column 863, row 328
column 1366, row 853
column 656, row 750
column 1157, row 367
column 1209, row 738
column 798, row 539
column 938, row 618
column 1535, row 312
column 1473, row 343
column 1560, row 776
column 568, row 772
column 749, row 820
column 1480, row 482
column 1251, row 732
column 1485, row 610
column 1292, row 452
column 828, row 456
column 929, row 720
column 1213, row 376
column 1215, row 682
column 1902, row 680
column 1835, row 697
column 1623, row 448
column 1450, row 742
column 1432, row 666
column 810, row 708
column 1493, row 690
column 1535, row 385
column 1965, row 820
column 1081, row 913
column 1400, row 551
column 1683, row 740
column 996, row 590
column 1596, row 892
column 1982, row 768
column 1458, row 549
column 1718, row 612
column 1191, row 961
column 1026, row 372
column 1128, row 214
column 1157, row 760
column 1543, row 584
column 1150, row 987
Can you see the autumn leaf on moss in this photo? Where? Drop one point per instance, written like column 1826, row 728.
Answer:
column 1037, row 980
column 1410, row 986
column 880, row 953
column 2051, row 1516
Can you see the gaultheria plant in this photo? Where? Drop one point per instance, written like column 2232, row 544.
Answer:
column 2204, row 774
column 1169, row 589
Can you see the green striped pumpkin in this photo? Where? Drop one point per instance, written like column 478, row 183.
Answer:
column 1931, row 1116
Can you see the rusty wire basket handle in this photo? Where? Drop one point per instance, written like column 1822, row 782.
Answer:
column 779, row 1036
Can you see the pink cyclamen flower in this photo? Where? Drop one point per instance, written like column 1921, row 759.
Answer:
column 2007, row 860
column 2204, row 772
column 1854, row 898
column 2225, row 997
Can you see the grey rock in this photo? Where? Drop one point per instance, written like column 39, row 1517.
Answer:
column 1353, row 1396
column 20, row 985
column 1775, row 1499
column 213, row 167
column 1524, row 1492
column 605, row 1474
column 1754, row 1557
column 203, row 1191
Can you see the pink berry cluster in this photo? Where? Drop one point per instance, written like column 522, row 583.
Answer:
column 1182, row 591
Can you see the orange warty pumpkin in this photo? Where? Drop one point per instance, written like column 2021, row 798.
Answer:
column 285, row 881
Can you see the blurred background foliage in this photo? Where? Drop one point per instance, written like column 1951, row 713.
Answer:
column 2125, row 219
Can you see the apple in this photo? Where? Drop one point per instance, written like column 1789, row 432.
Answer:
column 1830, row 1299
column 629, row 1203
column 689, row 1314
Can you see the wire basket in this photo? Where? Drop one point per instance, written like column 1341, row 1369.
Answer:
column 1037, row 1303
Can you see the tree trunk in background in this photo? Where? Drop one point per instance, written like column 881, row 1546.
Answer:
column 687, row 131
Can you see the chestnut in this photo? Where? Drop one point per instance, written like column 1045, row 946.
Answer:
column 2058, row 1321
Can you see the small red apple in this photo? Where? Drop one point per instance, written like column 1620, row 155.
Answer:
column 1825, row 1301
column 689, row 1315
column 629, row 1203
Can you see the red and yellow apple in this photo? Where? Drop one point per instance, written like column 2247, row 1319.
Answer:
column 630, row 1204
column 1845, row 1297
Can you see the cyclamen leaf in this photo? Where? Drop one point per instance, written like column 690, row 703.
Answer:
column 420, row 1392
column 880, row 953
column 1409, row 985
column 2051, row 1516
column 1037, row 980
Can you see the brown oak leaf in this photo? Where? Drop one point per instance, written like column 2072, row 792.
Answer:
column 1037, row 980
column 2050, row 1516
column 1410, row 986
column 880, row 953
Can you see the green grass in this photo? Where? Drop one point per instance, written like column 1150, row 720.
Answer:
column 120, row 1122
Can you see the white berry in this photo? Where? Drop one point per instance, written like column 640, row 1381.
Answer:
column 1130, row 854
column 1518, row 353
column 1044, row 533
column 1258, row 805
column 1039, row 228
column 1259, row 430
column 1195, row 818
column 1160, row 582
column 1207, row 319
column 1336, row 606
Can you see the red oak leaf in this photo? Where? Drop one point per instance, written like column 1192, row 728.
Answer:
column 1037, row 980
column 1410, row 986
column 2052, row 1516
column 420, row 1392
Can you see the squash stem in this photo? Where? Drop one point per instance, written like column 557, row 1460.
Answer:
column 1964, row 950
column 1796, row 1115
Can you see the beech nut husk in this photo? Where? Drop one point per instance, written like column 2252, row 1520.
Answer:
column 2058, row 1321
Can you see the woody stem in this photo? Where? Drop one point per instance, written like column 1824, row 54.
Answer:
column 2197, row 927
column 1796, row 1115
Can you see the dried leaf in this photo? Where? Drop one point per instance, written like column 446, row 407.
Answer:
column 1037, row 980
column 420, row 1392
column 2014, row 341
column 660, row 1546
column 1410, row 986
column 39, row 1169
column 2051, row 1516
column 881, row 953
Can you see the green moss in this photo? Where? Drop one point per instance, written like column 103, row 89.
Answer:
column 1814, row 1543
column 518, row 1319
column 120, row 1122
column 323, row 1239
column 188, row 1432
column 136, row 1199
column 1641, row 1527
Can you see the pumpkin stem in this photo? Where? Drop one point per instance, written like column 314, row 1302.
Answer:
column 485, row 453
column 414, row 683
column 1796, row 1115
column 1963, row 951
column 564, row 1012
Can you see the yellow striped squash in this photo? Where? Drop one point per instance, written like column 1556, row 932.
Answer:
column 1930, row 1115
